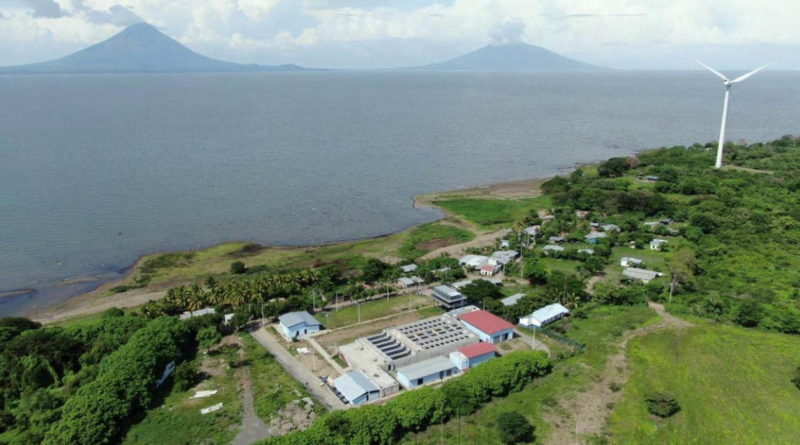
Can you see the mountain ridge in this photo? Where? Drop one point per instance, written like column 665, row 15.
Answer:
column 510, row 57
column 139, row 48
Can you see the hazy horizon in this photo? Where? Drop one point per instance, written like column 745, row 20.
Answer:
column 367, row 34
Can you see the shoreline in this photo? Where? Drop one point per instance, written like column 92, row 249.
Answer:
column 95, row 300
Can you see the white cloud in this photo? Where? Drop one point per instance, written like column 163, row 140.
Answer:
column 238, row 28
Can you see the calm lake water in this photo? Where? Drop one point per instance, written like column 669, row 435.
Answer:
column 98, row 170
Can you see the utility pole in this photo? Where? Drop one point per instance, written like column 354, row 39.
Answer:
column 358, row 306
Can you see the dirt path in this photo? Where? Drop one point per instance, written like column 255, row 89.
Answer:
column 253, row 428
column 587, row 413
column 457, row 250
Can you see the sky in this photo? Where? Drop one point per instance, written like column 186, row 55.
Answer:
column 358, row 34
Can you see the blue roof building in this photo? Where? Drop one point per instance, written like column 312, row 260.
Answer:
column 298, row 324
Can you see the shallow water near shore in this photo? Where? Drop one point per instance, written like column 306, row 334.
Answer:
column 99, row 170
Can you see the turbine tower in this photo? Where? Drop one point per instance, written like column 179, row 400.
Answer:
column 728, row 83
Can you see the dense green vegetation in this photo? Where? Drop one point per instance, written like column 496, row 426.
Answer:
column 426, row 237
column 733, row 386
column 414, row 411
column 124, row 386
column 734, row 231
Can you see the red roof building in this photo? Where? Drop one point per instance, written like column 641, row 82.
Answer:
column 488, row 326
column 477, row 349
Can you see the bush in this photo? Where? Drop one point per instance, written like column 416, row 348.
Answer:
column 238, row 267
column 662, row 405
column 513, row 427
column 796, row 378
column 208, row 337
column 186, row 375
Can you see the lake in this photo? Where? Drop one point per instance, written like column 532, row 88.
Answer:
column 97, row 170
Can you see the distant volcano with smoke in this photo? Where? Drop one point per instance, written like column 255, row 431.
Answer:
column 511, row 57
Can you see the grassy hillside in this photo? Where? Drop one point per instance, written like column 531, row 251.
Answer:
column 733, row 385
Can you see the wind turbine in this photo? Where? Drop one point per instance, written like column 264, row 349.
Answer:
column 728, row 83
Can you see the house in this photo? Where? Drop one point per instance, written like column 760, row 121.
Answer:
column 356, row 388
column 552, row 248
column 610, row 228
column 532, row 230
column 586, row 251
column 651, row 178
column 461, row 284
column 652, row 224
column 495, row 281
column 643, row 275
column 594, row 236
column 406, row 282
column 198, row 313
column 581, row 213
column 503, row 257
column 473, row 261
column 666, row 221
column 657, row 244
column 489, row 327
column 466, row 357
column 227, row 318
column 544, row 316
column 556, row 239
column 512, row 300
column 408, row 268
column 489, row 270
column 504, row 244
column 448, row 297
column 627, row 261
column 298, row 324
column 426, row 371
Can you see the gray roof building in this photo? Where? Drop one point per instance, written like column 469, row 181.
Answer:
column 425, row 368
column 354, row 384
column 640, row 274
column 290, row 319
column 512, row 300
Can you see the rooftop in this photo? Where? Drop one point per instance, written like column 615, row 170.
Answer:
column 290, row 319
column 477, row 349
column 425, row 368
column 486, row 321
column 640, row 274
column 512, row 300
column 549, row 311
column 433, row 333
column 353, row 384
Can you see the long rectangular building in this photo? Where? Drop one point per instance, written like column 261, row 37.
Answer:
column 448, row 297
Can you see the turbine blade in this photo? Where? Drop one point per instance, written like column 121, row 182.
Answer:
column 720, row 75
column 745, row 76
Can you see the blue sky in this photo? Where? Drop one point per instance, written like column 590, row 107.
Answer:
column 657, row 34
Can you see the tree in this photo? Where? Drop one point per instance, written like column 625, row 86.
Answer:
column 481, row 291
column 613, row 168
column 513, row 427
column 238, row 267
column 681, row 269
column 186, row 375
column 373, row 270
column 208, row 337
column 749, row 314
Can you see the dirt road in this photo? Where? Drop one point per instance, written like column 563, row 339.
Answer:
column 586, row 414
column 296, row 370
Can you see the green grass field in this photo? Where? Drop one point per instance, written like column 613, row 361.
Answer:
column 424, row 238
column 492, row 213
column 599, row 331
column 733, row 385
column 178, row 421
column 372, row 310
column 272, row 386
